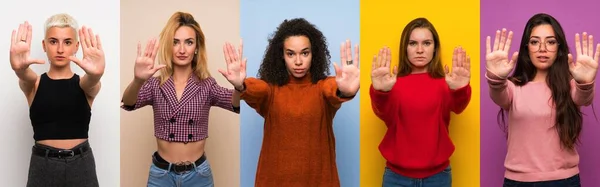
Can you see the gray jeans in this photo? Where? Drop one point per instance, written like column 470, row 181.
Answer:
column 76, row 171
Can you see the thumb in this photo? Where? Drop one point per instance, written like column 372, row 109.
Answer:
column 395, row 71
column 513, row 60
column 36, row 61
column 75, row 60
column 338, row 71
column 158, row 67
column 223, row 72
column 446, row 70
column 571, row 63
column 243, row 65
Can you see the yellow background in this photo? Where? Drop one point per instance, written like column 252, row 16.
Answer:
column 457, row 23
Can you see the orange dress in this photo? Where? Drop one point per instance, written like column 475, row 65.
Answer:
column 298, row 145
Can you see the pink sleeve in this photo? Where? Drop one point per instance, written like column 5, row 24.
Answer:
column 582, row 94
column 145, row 95
column 501, row 90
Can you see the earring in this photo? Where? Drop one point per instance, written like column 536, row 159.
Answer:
column 195, row 52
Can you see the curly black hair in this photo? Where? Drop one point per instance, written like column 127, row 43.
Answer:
column 273, row 69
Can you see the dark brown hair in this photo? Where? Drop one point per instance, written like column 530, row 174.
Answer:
column 569, row 118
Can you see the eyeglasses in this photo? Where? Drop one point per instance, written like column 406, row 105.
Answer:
column 535, row 45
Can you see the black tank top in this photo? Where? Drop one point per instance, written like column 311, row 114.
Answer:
column 60, row 110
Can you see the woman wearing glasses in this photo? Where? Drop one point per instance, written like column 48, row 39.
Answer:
column 542, row 98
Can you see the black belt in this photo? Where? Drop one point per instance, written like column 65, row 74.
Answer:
column 57, row 153
column 163, row 164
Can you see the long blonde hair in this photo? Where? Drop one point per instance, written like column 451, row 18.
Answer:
column 165, row 52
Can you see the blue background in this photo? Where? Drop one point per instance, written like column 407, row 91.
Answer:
column 338, row 20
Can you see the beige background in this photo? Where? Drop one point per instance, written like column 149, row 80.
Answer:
column 144, row 19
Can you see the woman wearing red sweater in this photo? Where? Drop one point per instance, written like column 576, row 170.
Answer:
column 415, row 103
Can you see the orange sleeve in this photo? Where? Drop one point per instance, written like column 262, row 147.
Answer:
column 256, row 94
column 331, row 92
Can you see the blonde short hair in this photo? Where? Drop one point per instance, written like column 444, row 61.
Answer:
column 61, row 21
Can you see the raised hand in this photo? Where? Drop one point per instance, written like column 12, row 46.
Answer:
column 144, row 63
column 347, row 77
column 496, row 59
column 236, row 65
column 461, row 69
column 585, row 68
column 381, row 77
column 93, row 57
column 20, row 46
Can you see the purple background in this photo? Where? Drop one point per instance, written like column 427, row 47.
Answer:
column 575, row 16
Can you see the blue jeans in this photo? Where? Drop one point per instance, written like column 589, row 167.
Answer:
column 573, row 181
column 441, row 179
column 200, row 176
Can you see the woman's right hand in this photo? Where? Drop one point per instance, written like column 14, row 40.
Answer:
column 236, row 65
column 381, row 78
column 144, row 63
column 20, row 48
column 496, row 59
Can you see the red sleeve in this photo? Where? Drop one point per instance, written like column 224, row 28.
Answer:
column 460, row 99
column 379, row 103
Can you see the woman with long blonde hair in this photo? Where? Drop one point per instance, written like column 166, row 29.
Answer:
column 181, row 97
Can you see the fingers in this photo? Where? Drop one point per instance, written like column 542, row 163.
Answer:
column 226, row 53
column 147, row 49
column 488, row 47
column 92, row 37
column 139, row 49
column 356, row 55
column 243, row 67
column 86, row 37
column 380, row 61
column 343, row 53
column 388, row 57
column 508, row 42
column 348, row 53
column 155, row 49
column 591, row 45
column 513, row 60
column 99, row 43
column 28, row 34
column 597, row 56
column 570, row 61
column 13, row 38
column 232, row 53
column 584, row 44
column 577, row 44
column 374, row 64
column 241, row 49
column 20, row 33
column 468, row 63
column 502, row 40
column 455, row 57
column 496, row 40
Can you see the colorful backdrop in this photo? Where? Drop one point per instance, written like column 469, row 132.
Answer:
column 338, row 20
column 457, row 23
column 574, row 16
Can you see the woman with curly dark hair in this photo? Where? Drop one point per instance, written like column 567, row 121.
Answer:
column 298, row 100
